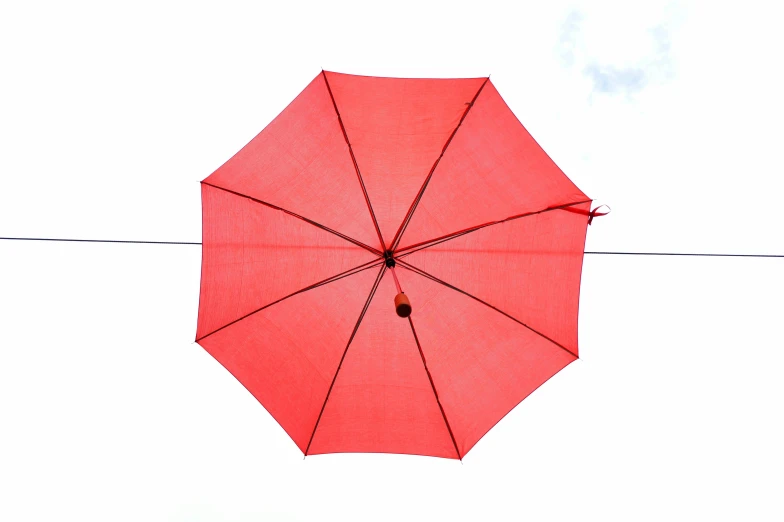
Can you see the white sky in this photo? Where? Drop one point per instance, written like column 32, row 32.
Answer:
column 110, row 116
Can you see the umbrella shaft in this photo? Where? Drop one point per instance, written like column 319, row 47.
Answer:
column 397, row 283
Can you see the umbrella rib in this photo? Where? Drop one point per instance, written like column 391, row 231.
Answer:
column 421, row 272
column 293, row 214
column 433, row 386
column 417, row 199
column 432, row 242
column 340, row 364
column 354, row 160
column 349, row 272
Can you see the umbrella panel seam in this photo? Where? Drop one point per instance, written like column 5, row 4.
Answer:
column 436, row 241
column 354, row 161
column 422, row 273
column 347, row 273
column 295, row 215
column 518, row 404
column 433, row 386
column 343, row 358
column 418, row 198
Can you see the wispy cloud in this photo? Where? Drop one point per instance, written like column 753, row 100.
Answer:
column 611, row 80
column 568, row 40
column 651, row 64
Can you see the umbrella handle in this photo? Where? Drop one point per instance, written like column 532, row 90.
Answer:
column 402, row 305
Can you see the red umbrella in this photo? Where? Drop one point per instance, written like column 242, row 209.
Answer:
column 369, row 196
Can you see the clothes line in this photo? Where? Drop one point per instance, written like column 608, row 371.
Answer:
column 605, row 253
column 693, row 254
column 101, row 241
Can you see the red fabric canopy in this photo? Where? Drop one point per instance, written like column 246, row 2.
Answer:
column 362, row 184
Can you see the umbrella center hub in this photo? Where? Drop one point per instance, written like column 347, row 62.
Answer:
column 389, row 259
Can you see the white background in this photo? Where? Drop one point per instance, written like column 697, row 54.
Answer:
column 109, row 118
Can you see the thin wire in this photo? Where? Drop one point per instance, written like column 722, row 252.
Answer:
column 692, row 254
column 682, row 254
column 101, row 241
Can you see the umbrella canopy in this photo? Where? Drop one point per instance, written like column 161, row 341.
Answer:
column 391, row 265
